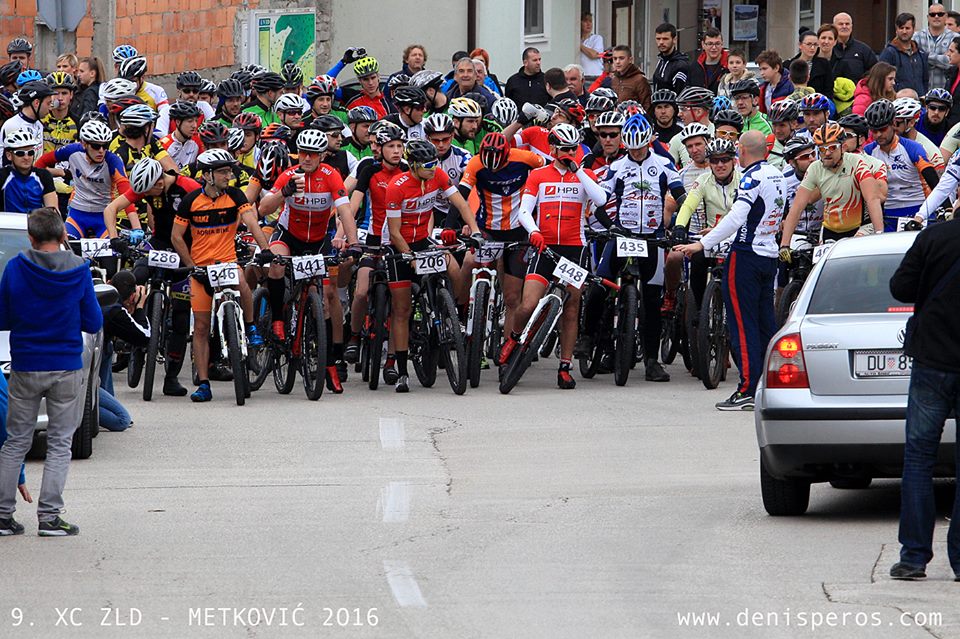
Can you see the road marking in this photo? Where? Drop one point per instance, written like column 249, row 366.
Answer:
column 395, row 502
column 404, row 586
column 391, row 433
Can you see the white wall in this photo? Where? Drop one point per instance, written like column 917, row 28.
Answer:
column 386, row 28
column 500, row 32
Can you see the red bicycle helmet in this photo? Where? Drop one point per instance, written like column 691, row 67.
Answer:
column 494, row 151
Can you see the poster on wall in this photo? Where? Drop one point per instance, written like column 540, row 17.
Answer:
column 712, row 15
column 280, row 35
column 745, row 19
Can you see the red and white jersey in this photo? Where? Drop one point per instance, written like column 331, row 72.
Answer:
column 412, row 200
column 536, row 139
column 561, row 204
column 307, row 215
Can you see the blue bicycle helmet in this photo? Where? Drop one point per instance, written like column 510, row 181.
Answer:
column 637, row 132
column 30, row 75
column 938, row 95
column 720, row 103
column 123, row 52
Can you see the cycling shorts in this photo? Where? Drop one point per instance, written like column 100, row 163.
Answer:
column 540, row 267
column 81, row 224
column 296, row 246
column 402, row 273
column 890, row 215
column 514, row 258
column 200, row 299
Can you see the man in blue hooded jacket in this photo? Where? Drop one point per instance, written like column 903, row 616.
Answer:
column 46, row 302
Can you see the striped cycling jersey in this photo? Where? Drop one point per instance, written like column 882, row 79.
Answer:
column 454, row 165
column 93, row 184
column 413, row 200
column 905, row 161
column 638, row 191
column 307, row 214
column 499, row 192
column 212, row 224
column 811, row 219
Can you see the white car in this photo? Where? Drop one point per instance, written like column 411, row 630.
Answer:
column 13, row 240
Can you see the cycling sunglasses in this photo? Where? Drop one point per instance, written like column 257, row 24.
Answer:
column 809, row 155
column 721, row 160
column 833, row 146
column 937, row 107
column 24, row 153
column 432, row 164
column 608, row 135
column 98, row 147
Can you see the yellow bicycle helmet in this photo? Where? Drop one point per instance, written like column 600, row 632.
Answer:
column 366, row 66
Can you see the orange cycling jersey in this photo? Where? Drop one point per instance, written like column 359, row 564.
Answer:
column 561, row 204
column 307, row 215
column 499, row 192
column 412, row 200
column 212, row 224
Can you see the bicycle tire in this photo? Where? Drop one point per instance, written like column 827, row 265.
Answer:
column 523, row 355
column 478, row 339
column 135, row 366
column 284, row 363
column 589, row 364
column 157, row 328
column 788, row 296
column 495, row 337
column 423, row 350
column 672, row 330
column 263, row 319
column 691, row 319
column 626, row 344
column 450, row 342
column 313, row 357
column 378, row 334
column 711, row 335
column 231, row 326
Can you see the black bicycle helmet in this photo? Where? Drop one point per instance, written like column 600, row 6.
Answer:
column 420, row 152
column 663, row 96
column 244, row 77
column 267, row 81
column 213, row 132
column 34, row 91
column 328, row 123
column 729, row 117
column 796, row 145
column 857, row 123
column 189, row 80
column 745, row 86
column 19, row 45
column 785, row 110
column 879, row 114
column 230, row 88
column 184, row 110
column 9, row 72
column 409, row 96
column 292, row 75
column 695, row 97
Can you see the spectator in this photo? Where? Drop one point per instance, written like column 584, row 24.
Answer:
column 573, row 74
column 556, row 82
column 851, row 58
column 737, row 65
column 799, row 77
column 128, row 321
column 953, row 21
column 934, row 41
column 826, row 41
column 90, row 74
column 776, row 83
column 603, row 80
column 22, row 482
column 465, row 81
column 628, row 80
column 953, row 80
column 414, row 59
column 526, row 85
column 711, row 64
column 879, row 85
column 672, row 66
column 46, row 302
column 483, row 79
column 459, row 55
column 905, row 54
column 67, row 62
column 820, row 73
column 928, row 279
column 482, row 53
column 591, row 47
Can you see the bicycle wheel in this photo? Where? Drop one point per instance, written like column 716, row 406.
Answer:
column 478, row 337
column 523, row 355
column 711, row 336
column 450, row 342
column 284, row 363
column 377, row 335
column 626, row 344
column 263, row 356
column 787, row 297
column 313, row 351
column 691, row 318
column 232, row 328
column 135, row 366
column 157, row 328
column 495, row 337
column 590, row 363
column 423, row 349
column 672, row 329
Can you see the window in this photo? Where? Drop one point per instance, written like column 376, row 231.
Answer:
column 533, row 17
column 865, row 289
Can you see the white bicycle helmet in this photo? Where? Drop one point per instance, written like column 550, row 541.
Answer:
column 504, row 111
column 312, row 140
column 215, row 159
column 144, row 175
column 135, row 67
column 438, row 123
column 464, row 108
column 117, row 88
column 289, row 102
column 906, row 108
column 123, row 52
column 695, row 129
column 137, row 115
column 564, row 135
column 610, row 118
column 96, row 132
column 235, row 138
column 21, row 138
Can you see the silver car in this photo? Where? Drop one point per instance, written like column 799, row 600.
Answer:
column 832, row 403
column 13, row 240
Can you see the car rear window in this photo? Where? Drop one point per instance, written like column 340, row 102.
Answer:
column 857, row 285
column 12, row 241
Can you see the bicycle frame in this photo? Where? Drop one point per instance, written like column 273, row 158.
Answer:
column 556, row 291
column 481, row 272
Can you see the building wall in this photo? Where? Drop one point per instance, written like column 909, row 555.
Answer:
column 500, row 32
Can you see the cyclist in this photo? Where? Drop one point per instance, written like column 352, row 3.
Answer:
column 430, row 82
column 844, row 181
column 320, row 96
column 359, row 120
column 309, row 192
column 934, row 123
column 251, row 125
column 134, row 69
column 816, row 110
column 609, row 148
column 746, row 97
column 439, row 130
column 22, row 186
column 96, row 173
column 59, row 126
column 665, row 114
column 163, row 194
column 560, row 192
column 136, row 141
column 179, row 144
column 466, row 115
column 345, row 163
column 910, row 176
column 20, row 50
column 36, row 98
column 367, row 70
column 800, row 153
column 213, row 135
column 750, row 270
column 267, row 87
column 230, row 95
column 695, row 138
column 208, row 90
column 292, row 78
column 637, row 186
column 906, row 116
column 728, row 125
column 410, row 103
column 123, row 52
column 694, row 104
column 410, row 201
column 211, row 215
column 784, row 116
column 856, row 135
column 289, row 110
column 189, row 84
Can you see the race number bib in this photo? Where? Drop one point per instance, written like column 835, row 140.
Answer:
column 307, row 266
column 629, row 247
column 820, row 251
column 362, row 235
column 163, row 259
column 92, row 247
column 490, row 252
column 902, row 222
column 431, row 262
column 569, row 273
column 223, row 275
column 720, row 250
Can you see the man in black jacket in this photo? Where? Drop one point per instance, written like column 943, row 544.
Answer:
column 851, row 58
column 928, row 278
column 526, row 85
column 673, row 66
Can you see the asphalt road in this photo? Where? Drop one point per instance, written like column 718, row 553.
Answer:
column 600, row 512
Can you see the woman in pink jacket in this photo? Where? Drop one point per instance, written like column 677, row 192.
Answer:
column 878, row 84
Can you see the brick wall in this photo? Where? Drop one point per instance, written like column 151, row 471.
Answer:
column 17, row 18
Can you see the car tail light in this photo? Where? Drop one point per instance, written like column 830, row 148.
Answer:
column 786, row 368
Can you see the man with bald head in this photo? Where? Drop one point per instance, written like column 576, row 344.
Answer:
column 851, row 59
column 751, row 269
column 934, row 41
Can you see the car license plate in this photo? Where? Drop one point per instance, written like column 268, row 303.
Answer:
column 881, row 363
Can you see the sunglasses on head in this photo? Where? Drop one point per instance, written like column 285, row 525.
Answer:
column 97, row 147
column 608, row 134
column 24, row 153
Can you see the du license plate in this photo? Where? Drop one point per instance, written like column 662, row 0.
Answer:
column 883, row 363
